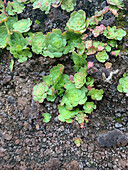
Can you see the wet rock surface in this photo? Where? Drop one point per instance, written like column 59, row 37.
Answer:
column 28, row 143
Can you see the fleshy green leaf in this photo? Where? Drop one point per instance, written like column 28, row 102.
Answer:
column 47, row 117
column 89, row 106
column 4, row 37
column 40, row 92
column 102, row 56
column 68, row 5
column 77, row 141
column 77, row 21
column 44, row 5
column 11, row 64
column 96, row 94
column 22, row 25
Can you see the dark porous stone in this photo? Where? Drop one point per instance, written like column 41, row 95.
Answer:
column 123, row 140
column 6, row 79
column 52, row 164
column 74, row 165
column 11, row 100
column 110, row 139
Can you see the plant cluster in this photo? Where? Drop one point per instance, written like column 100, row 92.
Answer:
column 123, row 84
column 72, row 89
column 11, row 36
column 17, row 6
column 77, row 91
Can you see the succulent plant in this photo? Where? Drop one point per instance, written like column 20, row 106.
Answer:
column 98, row 30
column 77, row 141
column 47, row 117
column 108, row 48
column 123, row 84
column 89, row 106
column 74, row 40
column 55, row 82
column 68, row 5
column 73, row 96
column 88, row 44
column 91, row 50
column 102, row 56
column 44, row 5
column 67, row 115
column 114, row 33
column 89, row 81
column 22, row 55
column 114, row 10
column 99, row 45
column 79, row 60
column 94, row 46
column 37, row 42
column 81, row 118
column 9, row 23
column 40, row 92
column 80, row 48
column 3, row 17
column 4, row 37
column 56, row 73
column 59, row 86
column 108, row 65
column 22, row 25
column 17, row 42
column 79, row 80
column 55, row 44
column 14, row 7
column 56, row 3
column 90, row 64
column 95, row 94
column 21, row 1
column 118, row 3
column 77, row 21
column 115, row 53
column 94, row 20
column 112, row 43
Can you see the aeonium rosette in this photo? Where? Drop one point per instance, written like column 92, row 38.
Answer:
column 77, row 21
column 55, row 44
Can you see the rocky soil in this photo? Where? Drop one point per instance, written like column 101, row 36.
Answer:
column 28, row 143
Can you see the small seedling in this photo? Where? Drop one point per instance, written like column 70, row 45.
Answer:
column 47, row 117
column 77, row 141
column 98, row 30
